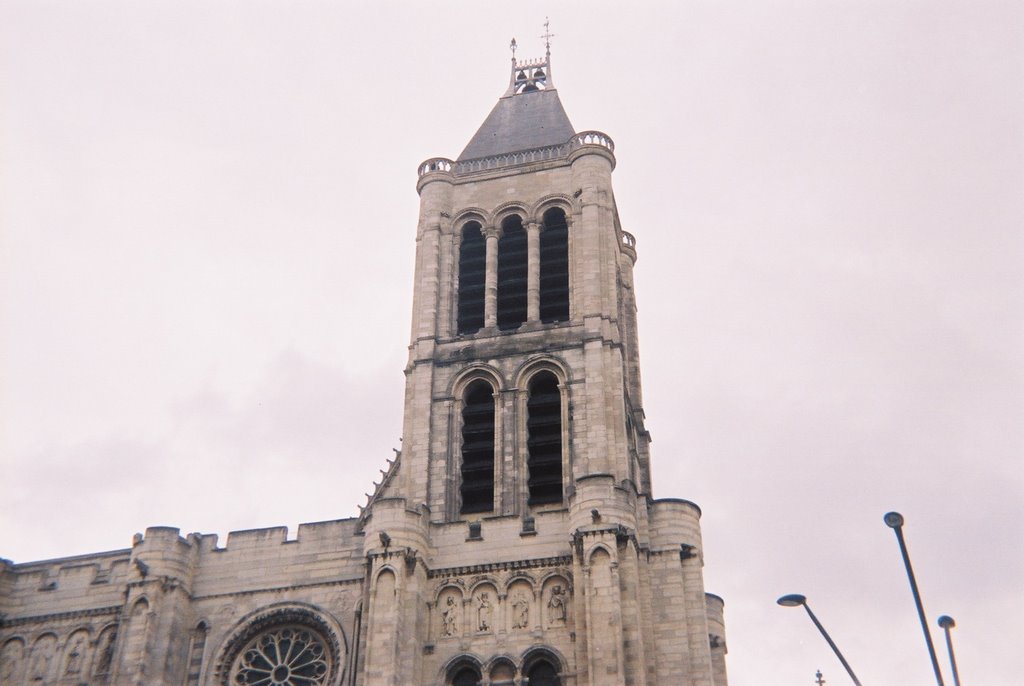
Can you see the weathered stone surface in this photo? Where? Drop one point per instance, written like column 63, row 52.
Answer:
column 601, row 586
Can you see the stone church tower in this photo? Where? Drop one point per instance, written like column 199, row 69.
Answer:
column 514, row 540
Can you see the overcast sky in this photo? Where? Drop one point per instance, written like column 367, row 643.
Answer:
column 208, row 213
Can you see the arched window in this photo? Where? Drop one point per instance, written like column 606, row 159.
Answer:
column 195, row 653
column 512, row 274
column 542, row 673
column 466, row 676
column 284, row 644
column 477, row 488
column 544, row 439
column 286, row 655
column 554, row 267
column 472, row 270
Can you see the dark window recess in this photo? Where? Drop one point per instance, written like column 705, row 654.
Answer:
column 512, row 274
column 195, row 662
column 544, row 440
column 554, row 268
column 543, row 674
column 472, row 268
column 477, row 488
column 466, row 676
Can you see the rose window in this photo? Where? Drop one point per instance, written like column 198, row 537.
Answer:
column 283, row 656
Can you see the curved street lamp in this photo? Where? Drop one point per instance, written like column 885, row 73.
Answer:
column 894, row 520
column 795, row 600
column 947, row 623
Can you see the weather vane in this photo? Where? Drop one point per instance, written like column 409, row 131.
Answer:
column 547, row 34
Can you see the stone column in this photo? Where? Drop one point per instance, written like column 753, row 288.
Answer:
column 533, row 272
column 491, row 278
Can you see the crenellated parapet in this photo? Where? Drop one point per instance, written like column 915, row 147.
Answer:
column 163, row 554
column 76, row 583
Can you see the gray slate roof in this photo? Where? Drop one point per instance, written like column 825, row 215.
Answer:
column 521, row 122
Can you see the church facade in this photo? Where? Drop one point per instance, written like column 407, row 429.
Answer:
column 514, row 540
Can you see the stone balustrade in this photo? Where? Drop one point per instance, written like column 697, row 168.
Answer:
column 436, row 164
column 551, row 152
column 592, row 138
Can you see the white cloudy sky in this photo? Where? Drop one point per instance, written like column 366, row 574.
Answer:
column 208, row 212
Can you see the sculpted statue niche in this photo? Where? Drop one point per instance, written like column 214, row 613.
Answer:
column 106, row 651
column 556, row 606
column 520, row 611
column 10, row 660
column 75, row 655
column 450, row 617
column 483, row 612
column 42, row 656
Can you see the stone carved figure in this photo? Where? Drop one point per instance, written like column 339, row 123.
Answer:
column 483, row 612
column 556, row 605
column 10, row 660
column 106, row 652
column 75, row 656
column 450, row 618
column 520, row 611
column 42, row 656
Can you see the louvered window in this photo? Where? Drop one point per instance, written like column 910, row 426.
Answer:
column 554, row 268
column 544, row 440
column 472, row 270
column 512, row 274
column 195, row 659
column 477, row 489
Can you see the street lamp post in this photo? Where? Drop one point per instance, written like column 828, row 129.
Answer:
column 794, row 600
column 947, row 623
column 894, row 520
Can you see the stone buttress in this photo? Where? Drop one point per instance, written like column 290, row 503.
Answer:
column 524, row 319
column 514, row 540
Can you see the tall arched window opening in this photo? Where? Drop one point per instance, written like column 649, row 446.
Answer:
column 477, row 489
column 554, row 268
column 544, row 440
column 195, row 654
column 512, row 274
column 472, row 272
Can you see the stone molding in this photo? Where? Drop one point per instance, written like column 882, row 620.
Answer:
column 500, row 566
column 60, row 616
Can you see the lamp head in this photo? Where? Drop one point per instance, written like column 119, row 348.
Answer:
column 792, row 600
column 946, row 622
column 893, row 520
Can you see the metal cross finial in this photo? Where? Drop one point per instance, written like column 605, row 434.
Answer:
column 817, row 678
column 547, row 34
